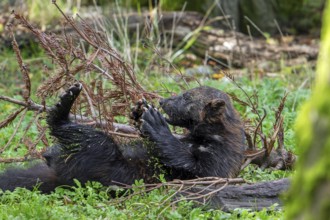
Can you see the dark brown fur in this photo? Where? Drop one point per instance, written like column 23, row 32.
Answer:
column 216, row 132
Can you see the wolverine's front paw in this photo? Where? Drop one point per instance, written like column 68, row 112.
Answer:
column 70, row 95
column 138, row 109
column 60, row 112
column 154, row 124
column 72, row 92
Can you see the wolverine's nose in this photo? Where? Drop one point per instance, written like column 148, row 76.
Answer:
column 161, row 102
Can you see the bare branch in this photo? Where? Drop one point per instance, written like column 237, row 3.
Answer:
column 10, row 118
column 14, row 133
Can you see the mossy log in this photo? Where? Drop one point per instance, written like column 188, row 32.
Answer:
column 256, row 196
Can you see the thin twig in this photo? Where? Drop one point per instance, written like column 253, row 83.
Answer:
column 15, row 132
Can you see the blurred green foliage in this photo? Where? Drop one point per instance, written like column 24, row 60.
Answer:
column 309, row 196
column 293, row 16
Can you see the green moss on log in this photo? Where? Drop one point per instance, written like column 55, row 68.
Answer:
column 309, row 196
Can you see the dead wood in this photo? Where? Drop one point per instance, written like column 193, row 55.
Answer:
column 255, row 196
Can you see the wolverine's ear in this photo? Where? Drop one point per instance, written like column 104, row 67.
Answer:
column 213, row 111
column 216, row 105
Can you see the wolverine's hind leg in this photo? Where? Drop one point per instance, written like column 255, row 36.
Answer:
column 60, row 112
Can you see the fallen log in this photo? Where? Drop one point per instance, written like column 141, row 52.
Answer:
column 255, row 196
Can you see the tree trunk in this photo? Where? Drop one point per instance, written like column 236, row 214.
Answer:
column 309, row 196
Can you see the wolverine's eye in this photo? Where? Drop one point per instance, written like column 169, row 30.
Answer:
column 189, row 106
column 186, row 96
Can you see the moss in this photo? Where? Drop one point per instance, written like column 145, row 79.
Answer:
column 309, row 196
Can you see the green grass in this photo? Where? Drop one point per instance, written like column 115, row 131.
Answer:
column 93, row 202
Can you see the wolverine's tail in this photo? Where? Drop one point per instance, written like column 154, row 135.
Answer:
column 39, row 175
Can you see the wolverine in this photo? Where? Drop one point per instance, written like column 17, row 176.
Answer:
column 213, row 146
